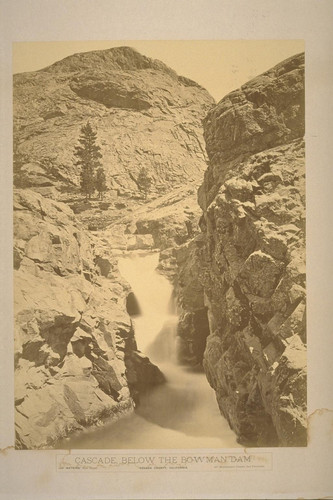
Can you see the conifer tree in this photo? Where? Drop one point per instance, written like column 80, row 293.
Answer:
column 100, row 182
column 19, row 160
column 88, row 155
column 144, row 181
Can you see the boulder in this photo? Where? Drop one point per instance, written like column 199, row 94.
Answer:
column 141, row 242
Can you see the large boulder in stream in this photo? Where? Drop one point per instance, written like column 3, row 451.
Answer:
column 142, row 374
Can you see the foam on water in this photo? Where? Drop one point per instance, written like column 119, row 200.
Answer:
column 182, row 413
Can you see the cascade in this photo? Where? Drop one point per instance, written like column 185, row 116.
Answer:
column 153, row 293
column 182, row 413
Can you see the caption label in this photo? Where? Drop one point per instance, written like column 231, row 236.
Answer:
column 174, row 461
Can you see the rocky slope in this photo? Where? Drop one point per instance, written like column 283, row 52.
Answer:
column 163, row 223
column 144, row 113
column 238, row 267
column 76, row 360
column 248, row 266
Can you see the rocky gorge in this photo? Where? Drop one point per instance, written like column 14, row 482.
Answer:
column 236, row 259
column 249, row 259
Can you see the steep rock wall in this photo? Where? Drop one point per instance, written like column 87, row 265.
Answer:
column 145, row 115
column 193, row 326
column 75, row 353
column 252, row 262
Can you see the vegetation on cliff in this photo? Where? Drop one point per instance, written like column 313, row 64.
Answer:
column 238, row 267
column 88, row 155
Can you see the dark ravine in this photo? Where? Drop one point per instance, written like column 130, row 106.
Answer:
column 236, row 261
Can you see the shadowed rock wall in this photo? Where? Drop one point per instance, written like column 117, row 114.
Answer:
column 252, row 260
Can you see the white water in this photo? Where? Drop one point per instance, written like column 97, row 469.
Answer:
column 183, row 412
column 153, row 293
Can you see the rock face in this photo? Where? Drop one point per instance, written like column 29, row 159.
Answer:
column 75, row 354
column 238, row 268
column 193, row 326
column 145, row 115
column 171, row 219
column 250, row 260
column 266, row 112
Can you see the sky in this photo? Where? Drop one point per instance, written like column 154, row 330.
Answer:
column 220, row 66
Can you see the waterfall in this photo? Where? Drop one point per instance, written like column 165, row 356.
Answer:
column 153, row 293
column 183, row 412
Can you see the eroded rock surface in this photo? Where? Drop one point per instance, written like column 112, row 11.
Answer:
column 145, row 115
column 193, row 326
column 75, row 351
column 251, row 261
column 240, row 283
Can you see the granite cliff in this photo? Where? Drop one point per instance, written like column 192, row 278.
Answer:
column 145, row 114
column 248, row 265
column 236, row 260
column 76, row 359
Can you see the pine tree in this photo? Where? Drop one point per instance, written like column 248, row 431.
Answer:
column 18, row 161
column 144, row 181
column 100, row 182
column 88, row 155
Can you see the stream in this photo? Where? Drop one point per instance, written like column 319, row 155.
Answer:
column 183, row 412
